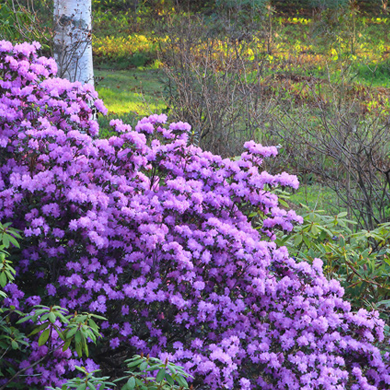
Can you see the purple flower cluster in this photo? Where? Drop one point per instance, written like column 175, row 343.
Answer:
column 152, row 233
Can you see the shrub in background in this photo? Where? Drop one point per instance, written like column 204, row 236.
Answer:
column 214, row 79
column 344, row 146
column 152, row 233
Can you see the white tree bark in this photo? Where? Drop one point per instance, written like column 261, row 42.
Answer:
column 73, row 40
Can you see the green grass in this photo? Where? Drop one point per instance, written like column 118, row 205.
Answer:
column 136, row 91
column 128, row 95
column 316, row 197
column 374, row 74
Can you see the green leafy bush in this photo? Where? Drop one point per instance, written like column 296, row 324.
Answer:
column 145, row 372
column 359, row 260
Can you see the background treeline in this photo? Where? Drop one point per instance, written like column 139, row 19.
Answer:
column 281, row 7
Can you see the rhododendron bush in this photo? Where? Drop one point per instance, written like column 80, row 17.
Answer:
column 152, row 233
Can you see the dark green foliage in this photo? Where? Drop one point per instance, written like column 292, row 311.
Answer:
column 87, row 382
column 18, row 330
column 359, row 260
column 144, row 372
column 286, row 7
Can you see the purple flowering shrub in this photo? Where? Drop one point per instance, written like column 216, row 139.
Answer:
column 151, row 233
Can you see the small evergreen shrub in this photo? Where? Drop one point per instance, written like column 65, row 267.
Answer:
column 152, row 233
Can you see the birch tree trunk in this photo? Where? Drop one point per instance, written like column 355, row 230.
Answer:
column 73, row 40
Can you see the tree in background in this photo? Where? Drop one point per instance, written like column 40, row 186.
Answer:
column 73, row 39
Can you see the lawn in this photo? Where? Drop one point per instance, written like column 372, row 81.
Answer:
column 129, row 94
column 316, row 197
column 136, row 91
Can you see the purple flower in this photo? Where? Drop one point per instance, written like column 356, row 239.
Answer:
column 153, row 233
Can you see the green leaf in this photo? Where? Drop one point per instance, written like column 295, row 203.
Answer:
column 3, row 279
column 81, row 369
column 77, row 337
column 307, row 241
column 6, row 240
column 120, row 379
column 71, row 332
column 93, row 324
column 14, row 241
column 99, row 317
column 60, row 334
column 169, row 379
column 160, row 375
column 79, row 350
column 44, row 337
column 172, row 368
column 52, row 317
column 154, row 367
column 143, row 366
column 62, row 318
column 298, row 240
column 66, row 345
column 131, row 383
column 9, row 275
column 45, row 317
column 39, row 328
column 91, row 386
column 384, row 303
column 284, row 203
column 182, row 382
column 135, row 363
column 314, row 230
column 89, row 333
